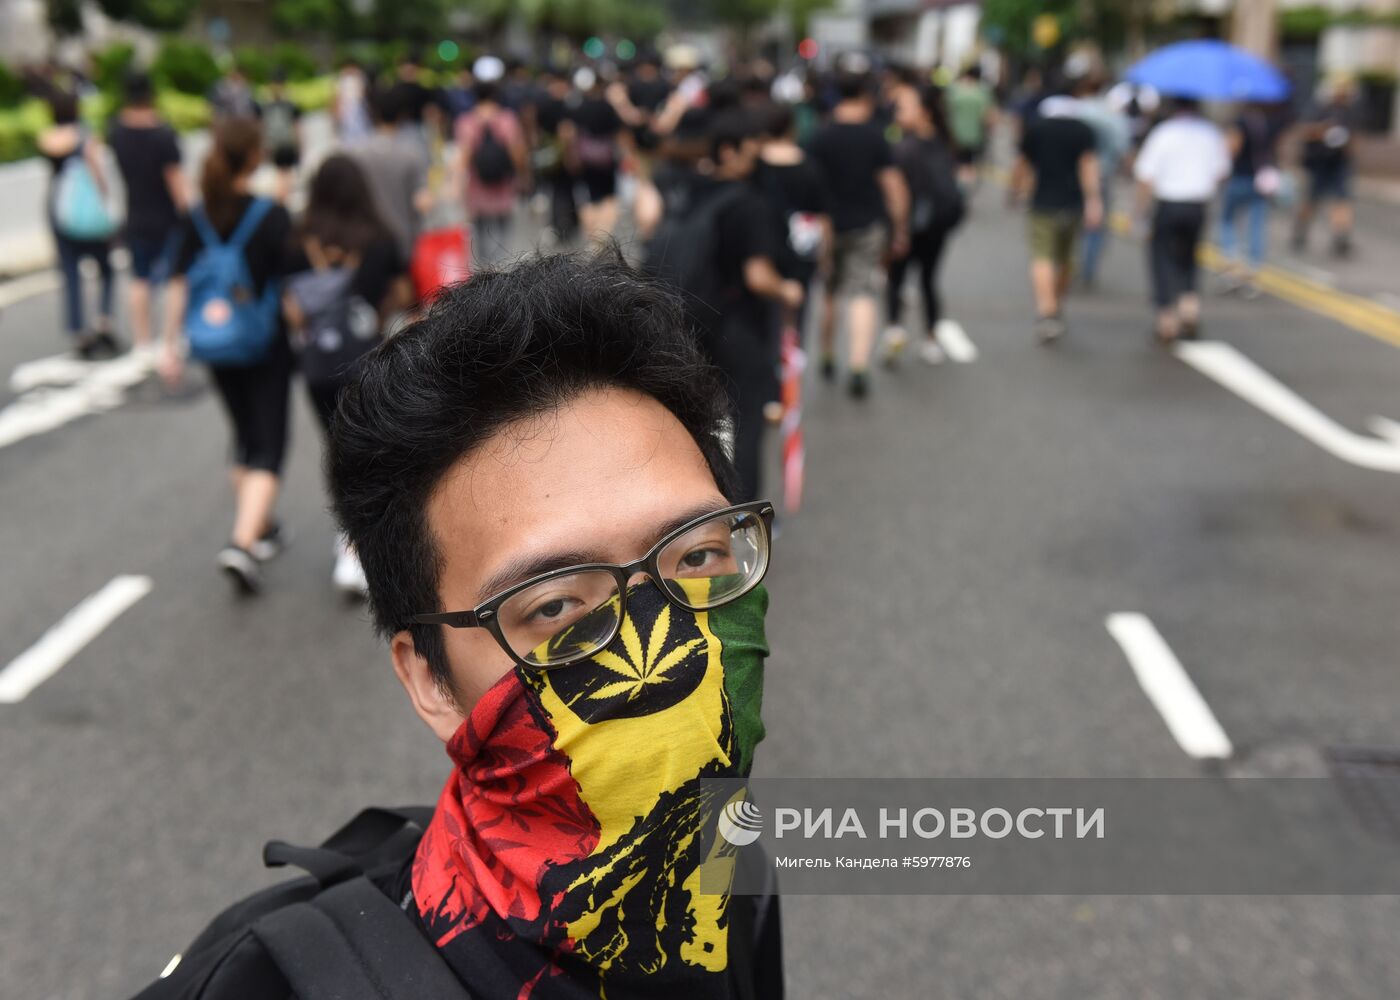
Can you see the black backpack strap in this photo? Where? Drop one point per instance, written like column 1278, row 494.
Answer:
column 353, row 943
column 376, row 834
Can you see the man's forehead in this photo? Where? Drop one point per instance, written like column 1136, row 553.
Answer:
column 596, row 470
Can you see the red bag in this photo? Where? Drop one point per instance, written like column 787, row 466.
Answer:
column 441, row 257
column 794, row 360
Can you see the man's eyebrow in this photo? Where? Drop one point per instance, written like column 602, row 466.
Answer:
column 522, row 569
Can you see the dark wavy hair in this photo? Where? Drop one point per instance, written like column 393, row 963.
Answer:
column 501, row 347
column 340, row 208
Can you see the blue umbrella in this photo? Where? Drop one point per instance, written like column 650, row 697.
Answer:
column 1210, row 70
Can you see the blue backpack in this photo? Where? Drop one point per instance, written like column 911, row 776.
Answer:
column 225, row 321
column 80, row 209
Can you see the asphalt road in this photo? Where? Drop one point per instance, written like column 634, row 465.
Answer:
column 938, row 610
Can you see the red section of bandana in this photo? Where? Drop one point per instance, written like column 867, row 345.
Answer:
column 509, row 811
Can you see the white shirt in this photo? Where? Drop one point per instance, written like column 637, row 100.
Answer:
column 1184, row 159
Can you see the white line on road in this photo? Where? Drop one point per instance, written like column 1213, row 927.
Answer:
column 1168, row 687
column 62, row 642
column 27, row 287
column 1247, row 380
column 102, row 387
column 955, row 342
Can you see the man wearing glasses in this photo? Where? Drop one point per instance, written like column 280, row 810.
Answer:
column 534, row 479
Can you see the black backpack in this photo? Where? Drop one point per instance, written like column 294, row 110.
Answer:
column 684, row 250
column 334, row 933
column 491, row 161
column 947, row 205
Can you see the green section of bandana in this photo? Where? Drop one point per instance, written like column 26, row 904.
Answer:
column 743, row 646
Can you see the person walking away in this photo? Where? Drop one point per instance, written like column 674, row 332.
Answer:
column 1179, row 169
column 350, row 107
column 347, row 281
column 647, row 92
column 281, row 121
column 1328, row 134
column 419, row 113
column 1113, row 138
column 232, row 96
column 937, row 207
column 82, row 223
column 1059, row 164
column 148, row 155
column 492, row 162
column 742, row 341
column 550, row 162
column 1254, row 178
column 397, row 170
column 869, row 214
column 972, row 114
column 795, row 192
column 593, row 134
column 223, row 302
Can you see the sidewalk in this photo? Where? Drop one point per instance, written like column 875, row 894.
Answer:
column 26, row 244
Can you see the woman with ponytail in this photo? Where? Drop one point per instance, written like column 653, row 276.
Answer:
column 252, row 381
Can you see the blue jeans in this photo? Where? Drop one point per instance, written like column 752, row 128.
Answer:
column 1092, row 241
column 70, row 255
column 1242, row 196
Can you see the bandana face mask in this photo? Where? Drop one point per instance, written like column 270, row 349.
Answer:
column 564, row 855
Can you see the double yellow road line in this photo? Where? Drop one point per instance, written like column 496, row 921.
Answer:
column 1361, row 314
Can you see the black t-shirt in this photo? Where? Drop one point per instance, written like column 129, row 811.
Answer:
column 266, row 253
column 850, row 156
column 596, row 116
column 1053, row 147
column 789, row 190
column 143, row 155
column 381, row 264
column 648, row 95
column 550, row 113
column 411, row 97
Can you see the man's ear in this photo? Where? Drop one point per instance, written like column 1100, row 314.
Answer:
column 434, row 705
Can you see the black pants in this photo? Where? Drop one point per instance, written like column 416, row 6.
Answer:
column 925, row 250
column 563, row 211
column 1171, row 252
column 257, row 398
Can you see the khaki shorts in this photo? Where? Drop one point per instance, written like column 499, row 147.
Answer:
column 858, row 261
column 1053, row 235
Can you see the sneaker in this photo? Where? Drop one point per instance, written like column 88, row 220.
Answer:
column 895, row 341
column 273, row 543
column 828, row 368
column 931, row 353
column 1049, row 329
column 241, row 568
column 348, row 575
column 859, row 385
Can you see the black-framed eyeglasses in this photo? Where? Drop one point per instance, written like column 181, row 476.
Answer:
column 569, row 614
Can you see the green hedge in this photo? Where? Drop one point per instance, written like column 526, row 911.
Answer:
column 20, row 126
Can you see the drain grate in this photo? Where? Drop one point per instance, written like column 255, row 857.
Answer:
column 1370, row 781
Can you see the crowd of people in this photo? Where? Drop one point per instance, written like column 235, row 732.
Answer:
column 770, row 201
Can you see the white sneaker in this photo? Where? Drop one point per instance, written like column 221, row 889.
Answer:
column 348, row 575
column 895, row 340
column 931, row 353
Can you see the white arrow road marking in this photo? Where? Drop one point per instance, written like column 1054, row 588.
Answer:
column 101, row 387
column 58, row 369
column 66, row 639
column 1168, row 687
column 955, row 341
column 1247, row 380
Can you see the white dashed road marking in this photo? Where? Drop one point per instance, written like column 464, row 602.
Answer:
column 1168, row 686
column 66, row 639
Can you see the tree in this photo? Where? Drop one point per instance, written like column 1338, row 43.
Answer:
column 66, row 16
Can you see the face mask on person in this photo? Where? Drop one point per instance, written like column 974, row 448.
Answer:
column 571, row 832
